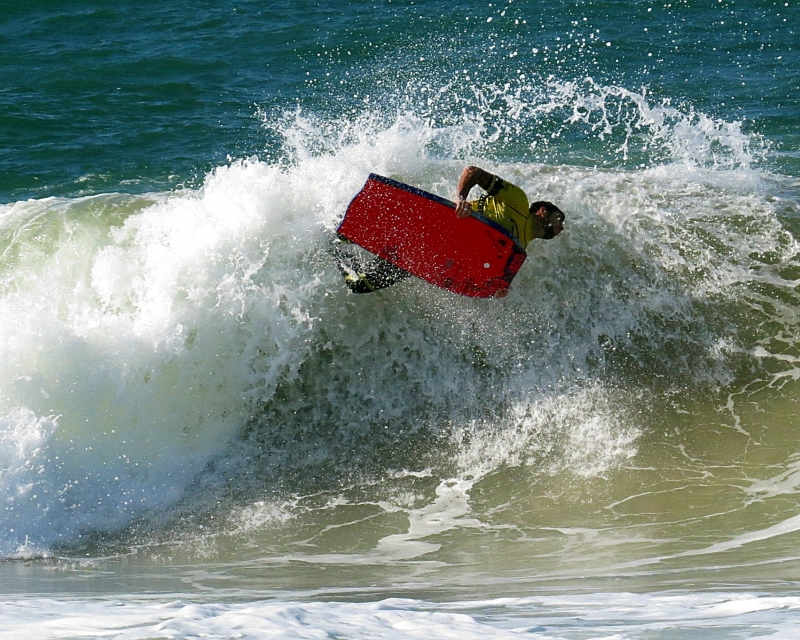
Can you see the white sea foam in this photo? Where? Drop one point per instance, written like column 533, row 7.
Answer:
column 548, row 617
column 574, row 433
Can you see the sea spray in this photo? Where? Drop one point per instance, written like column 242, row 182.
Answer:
column 135, row 354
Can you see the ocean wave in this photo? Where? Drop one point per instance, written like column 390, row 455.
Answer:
column 149, row 339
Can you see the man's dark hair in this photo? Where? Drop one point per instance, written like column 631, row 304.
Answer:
column 550, row 208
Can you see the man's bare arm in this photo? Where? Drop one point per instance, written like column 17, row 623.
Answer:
column 470, row 177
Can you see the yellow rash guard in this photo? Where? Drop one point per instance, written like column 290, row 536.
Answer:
column 507, row 205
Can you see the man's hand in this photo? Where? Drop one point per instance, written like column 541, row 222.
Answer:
column 463, row 208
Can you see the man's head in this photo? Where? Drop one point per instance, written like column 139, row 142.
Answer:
column 551, row 216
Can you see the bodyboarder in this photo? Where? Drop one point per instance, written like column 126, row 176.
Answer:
column 503, row 202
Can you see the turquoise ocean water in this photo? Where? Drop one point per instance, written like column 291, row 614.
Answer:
column 204, row 434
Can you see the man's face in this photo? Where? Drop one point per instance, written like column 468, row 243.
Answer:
column 555, row 221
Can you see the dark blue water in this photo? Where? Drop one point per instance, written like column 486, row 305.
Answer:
column 148, row 95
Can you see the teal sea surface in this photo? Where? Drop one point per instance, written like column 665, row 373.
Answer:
column 203, row 433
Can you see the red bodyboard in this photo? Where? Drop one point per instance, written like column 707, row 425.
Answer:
column 420, row 233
